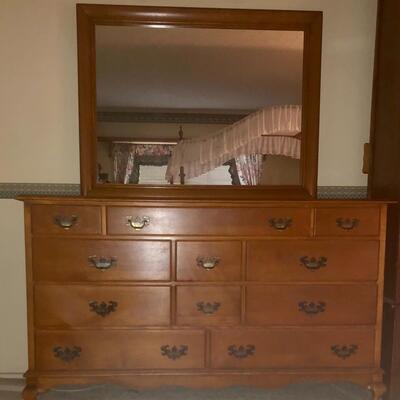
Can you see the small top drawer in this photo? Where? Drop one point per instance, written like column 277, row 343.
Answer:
column 273, row 221
column 66, row 220
column 350, row 221
column 209, row 261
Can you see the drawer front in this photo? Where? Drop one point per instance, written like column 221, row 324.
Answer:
column 119, row 350
column 66, row 220
column 209, row 221
column 206, row 305
column 209, row 261
column 101, row 306
column 313, row 261
column 57, row 259
column 311, row 304
column 292, row 348
column 347, row 221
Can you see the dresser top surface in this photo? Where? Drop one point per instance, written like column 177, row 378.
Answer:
column 200, row 203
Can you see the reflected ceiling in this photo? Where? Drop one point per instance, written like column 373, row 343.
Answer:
column 190, row 68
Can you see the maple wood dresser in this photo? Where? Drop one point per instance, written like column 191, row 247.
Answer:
column 203, row 294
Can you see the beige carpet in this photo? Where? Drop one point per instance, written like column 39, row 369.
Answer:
column 339, row 391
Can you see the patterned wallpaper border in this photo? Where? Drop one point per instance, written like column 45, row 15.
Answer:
column 342, row 192
column 12, row 190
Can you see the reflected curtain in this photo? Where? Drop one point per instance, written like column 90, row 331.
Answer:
column 128, row 157
column 123, row 158
column 249, row 168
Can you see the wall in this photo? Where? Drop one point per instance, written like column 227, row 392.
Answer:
column 39, row 114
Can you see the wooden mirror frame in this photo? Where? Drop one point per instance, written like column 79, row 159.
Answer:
column 310, row 22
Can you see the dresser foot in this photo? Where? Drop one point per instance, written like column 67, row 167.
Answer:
column 30, row 392
column 378, row 390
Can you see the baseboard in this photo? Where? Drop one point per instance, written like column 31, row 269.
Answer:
column 11, row 383
column 11, row 375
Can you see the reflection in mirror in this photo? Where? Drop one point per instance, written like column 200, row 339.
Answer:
column 198, row 106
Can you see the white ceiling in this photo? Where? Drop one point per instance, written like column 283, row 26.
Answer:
column 191, row 68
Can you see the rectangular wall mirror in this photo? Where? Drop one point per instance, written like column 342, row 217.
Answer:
column 182, row 102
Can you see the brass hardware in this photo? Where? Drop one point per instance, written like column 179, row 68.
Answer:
column 207, row 263
column 344, row 352
column 367, row 158
column 393, row 304
column 347, row 223
column 241, row 351
column 67, row 354
column 174, row 352
column 311, row 308
column 280, row 224
column 313, row 263
column 102, row 263
column 208, row 308
column 138, row 223
column 103, row 308
column 65, row 222
column 182, row 175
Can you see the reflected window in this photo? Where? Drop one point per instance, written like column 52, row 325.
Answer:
column 152, row 175
column 217, row 176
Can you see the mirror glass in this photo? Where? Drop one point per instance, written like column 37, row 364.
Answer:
column 198, row 106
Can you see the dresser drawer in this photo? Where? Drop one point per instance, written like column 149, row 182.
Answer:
column 119, row 350
column 292, row 348
column 56, row 259
column 66, row 220
column 209, row 221
column 208, row 305
column 209, row 261
column 311, row 304
column 101, row 306
column 347, row 221
column 312, row 260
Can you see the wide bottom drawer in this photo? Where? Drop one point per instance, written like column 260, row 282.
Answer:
column 94, row 350
column 292, row 348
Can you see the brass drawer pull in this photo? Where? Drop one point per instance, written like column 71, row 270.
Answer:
column 103, row 309
column 208, row 308
column 65, row 222
column 344, row 352
column 347, row 223
column 67, row 354
column 311, row 308
column 207, row 263
column 102, row 263
column 280, row 224
column 241, row 351
column 174, row 352
column 313, row 263
column 393, row 304
column 138, row 223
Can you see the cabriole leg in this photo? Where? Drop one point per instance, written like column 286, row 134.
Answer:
column 378, row 389
column 30, row 392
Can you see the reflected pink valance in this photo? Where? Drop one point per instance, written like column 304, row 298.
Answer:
column 268, row 131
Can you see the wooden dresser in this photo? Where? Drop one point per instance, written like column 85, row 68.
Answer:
column 203, row 294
